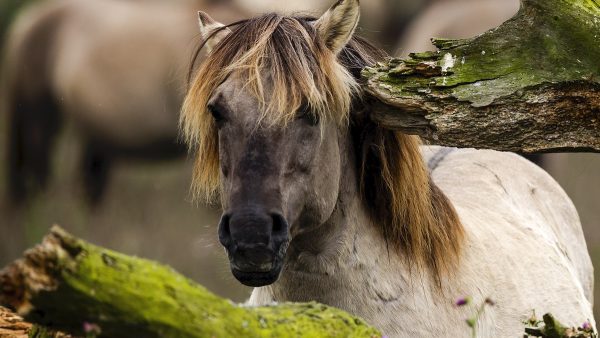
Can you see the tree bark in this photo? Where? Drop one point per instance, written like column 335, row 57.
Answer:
column 69, row 285
column 12, row 326
column 530, row 85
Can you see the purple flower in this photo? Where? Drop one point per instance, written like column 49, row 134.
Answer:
column 586, row 326
column 462, row 301
column 91, row 328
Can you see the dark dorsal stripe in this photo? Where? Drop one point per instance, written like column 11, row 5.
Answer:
column 438, row 157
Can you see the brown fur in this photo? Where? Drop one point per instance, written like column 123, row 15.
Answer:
column 414, row 215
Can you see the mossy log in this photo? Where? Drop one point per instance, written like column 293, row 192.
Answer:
column 70, row 285
column 529, row 85
column 552, row 328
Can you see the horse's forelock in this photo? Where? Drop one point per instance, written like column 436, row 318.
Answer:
column 303, row 71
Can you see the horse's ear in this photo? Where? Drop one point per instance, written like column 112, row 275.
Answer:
column 337, row 25
column 207, row 27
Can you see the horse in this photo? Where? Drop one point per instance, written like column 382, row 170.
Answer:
column 322, row 204
column 456, row 19
column 114, row 70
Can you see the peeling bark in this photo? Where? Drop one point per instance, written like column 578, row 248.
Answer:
column 69, row 285
column 530, row 85
column 12, row 326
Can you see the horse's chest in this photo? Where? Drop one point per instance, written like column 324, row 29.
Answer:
column 397, row 310
column 360, row 292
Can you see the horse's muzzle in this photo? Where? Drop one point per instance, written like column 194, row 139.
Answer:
column 256, row 242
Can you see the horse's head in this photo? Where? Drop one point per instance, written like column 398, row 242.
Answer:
column 268, row 113
column 265, row 111
column 276, row 181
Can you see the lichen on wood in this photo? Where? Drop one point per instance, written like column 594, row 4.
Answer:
column 530, row 85
column 68, row 284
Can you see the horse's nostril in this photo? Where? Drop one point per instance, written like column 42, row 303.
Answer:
column 224, row 230
column 280, row 225
column 245, row 228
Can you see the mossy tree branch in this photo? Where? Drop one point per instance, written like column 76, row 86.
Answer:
column 67, row 284
column 529, row 85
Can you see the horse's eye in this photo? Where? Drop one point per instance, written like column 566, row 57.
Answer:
column 307, row 115
column 216, row 114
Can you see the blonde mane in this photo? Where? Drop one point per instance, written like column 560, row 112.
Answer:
column 413, row 214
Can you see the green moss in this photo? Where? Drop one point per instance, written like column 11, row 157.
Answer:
column 547, row 41
column 132, row 297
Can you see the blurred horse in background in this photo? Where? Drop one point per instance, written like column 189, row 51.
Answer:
column 457, row 19
column 115, row 70
column 383, row 21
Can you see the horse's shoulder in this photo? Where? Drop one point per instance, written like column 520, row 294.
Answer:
column 486, row 185
column 497, row 168
column 499, row 178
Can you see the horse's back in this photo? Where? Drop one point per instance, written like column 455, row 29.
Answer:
column 523, row 232
column 122, row 75
column 117, row 68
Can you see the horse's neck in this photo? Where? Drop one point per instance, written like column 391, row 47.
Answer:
column 333, row 246
column 336, row 261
